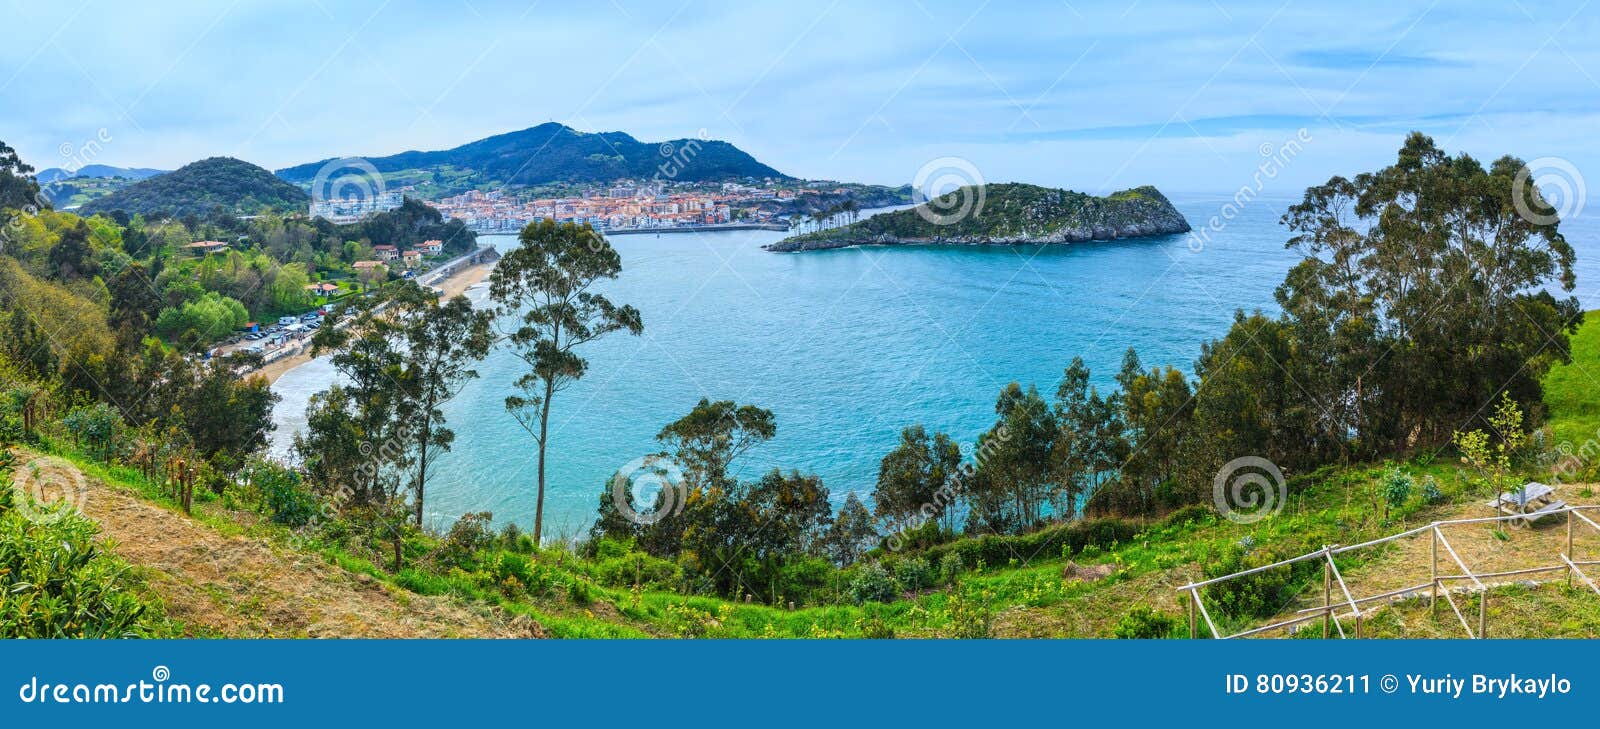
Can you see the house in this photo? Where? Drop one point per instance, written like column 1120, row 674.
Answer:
column 386, row 253
column 367, row 265
column 431, row 247
column 412, row 258
column 322, row 289
column 204, row 247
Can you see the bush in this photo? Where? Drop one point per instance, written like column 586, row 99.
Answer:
column 970, row 617
column 1142, row 622
column 282, row 494
column 637, row 568
column 950, row 567
column 1431, row 494
column 468, row 536
column 1072, row 537
column 1395, row 488
column 1259, row 595
column 913, row 573
column 873, row 583
column 56, row 583
column 1193, row 513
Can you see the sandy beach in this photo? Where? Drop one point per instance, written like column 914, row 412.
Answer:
column 453, row 285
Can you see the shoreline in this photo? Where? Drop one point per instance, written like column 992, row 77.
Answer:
column 453, row 285
column 673, row 229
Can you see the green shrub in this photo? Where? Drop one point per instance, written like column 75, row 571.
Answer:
column 468, row 536
column 873, row 583
column 1395, row 488
column 950, row 567
column 1258, row 595
column 970, row 616
column 55, row 582
column 1142, row 622
column 1191, row 514
column 282, row 494
column 1074, row 536
column 636, row 568
column 1431, row 494
column 913, row 573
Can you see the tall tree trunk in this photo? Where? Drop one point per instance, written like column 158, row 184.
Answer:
column 544, row 427
column 422, row 462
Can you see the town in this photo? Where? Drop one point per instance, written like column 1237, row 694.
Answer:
column 628, row 205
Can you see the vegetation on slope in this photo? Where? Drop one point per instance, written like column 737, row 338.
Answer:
column 199, row 188
column 1007, row 213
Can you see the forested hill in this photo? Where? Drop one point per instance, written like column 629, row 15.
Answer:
column 200, row 187
column 551, row 153
column 1005, row 214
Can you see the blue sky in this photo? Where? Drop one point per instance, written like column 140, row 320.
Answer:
column 1092, row 96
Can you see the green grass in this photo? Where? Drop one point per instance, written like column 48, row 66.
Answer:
column 1572, row 391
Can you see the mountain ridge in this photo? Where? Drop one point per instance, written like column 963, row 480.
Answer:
column 555, row 153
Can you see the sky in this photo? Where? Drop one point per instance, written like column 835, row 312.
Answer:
column 1091, row 96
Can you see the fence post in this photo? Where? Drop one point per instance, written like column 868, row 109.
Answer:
column 1433, row 599
column 1483, row 613
column 1327, row 597
column 1569, row 547
column 1193, row 608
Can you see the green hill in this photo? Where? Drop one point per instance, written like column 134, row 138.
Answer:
column 201, row 187
column 554, row 153
column 1009, row 213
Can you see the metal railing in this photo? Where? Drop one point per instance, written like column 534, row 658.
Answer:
column 1330, row 611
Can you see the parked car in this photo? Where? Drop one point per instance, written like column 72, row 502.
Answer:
column 285, row 320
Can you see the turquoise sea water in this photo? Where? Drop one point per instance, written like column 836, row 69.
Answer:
column 846, row 347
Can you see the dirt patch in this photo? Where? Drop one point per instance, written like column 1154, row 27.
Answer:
column 248, row 587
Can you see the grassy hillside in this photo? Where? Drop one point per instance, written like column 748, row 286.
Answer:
column 1082, row 580
column 1572, row 391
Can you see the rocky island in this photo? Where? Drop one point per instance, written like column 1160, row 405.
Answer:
column 1005, row 214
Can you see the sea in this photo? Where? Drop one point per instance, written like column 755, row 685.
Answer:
column 847, row 347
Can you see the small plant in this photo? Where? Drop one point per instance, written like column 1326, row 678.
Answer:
column 1142, row 622
column 1493, row 456
column 1431, row 494
column 1395, row 489
column 970, row 616
column 950, row 567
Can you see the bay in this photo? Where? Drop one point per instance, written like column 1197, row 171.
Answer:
column 846, row 347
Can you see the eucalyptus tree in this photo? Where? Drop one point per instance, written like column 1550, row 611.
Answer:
column 546, row 285
column 1428, row 287
column 369, row 349
column 913, row 477
column 442, row 344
